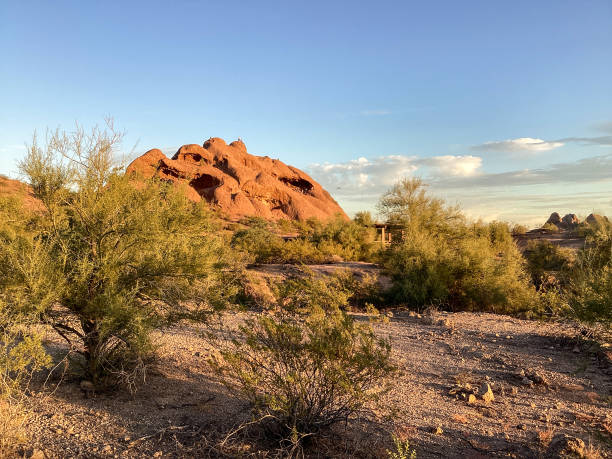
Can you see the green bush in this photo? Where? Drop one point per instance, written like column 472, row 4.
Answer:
column 260, row 242
column 308, row 366
column 443, row 260
column 109, row 258
column 517, row 230
column 590, row 291
column 316, row 241
column 551, row 228
column 547, row 262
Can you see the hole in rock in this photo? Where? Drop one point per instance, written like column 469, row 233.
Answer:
column 205, row 185
column 298, row 184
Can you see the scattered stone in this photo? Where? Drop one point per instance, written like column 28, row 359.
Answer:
column 514, row 390
column 521, row 427
column 438, row 430
column 535, row 377
column 565, row 446
column 38, row 454
column 471, row 399
column 486, row 393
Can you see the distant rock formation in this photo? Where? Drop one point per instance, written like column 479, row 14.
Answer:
column 596, row 220
column 238, row 183
column 568, row 222
column 554, row 219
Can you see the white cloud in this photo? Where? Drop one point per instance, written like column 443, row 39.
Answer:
column 458, row 166
column 522, row 144
column 374, row 176
column 522, row 195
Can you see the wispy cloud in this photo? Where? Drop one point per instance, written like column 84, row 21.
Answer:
column 587, row 170
column 604, row 126
column 525, row 195
column 522, row 144
column 375, row 112
column 600, row 140
column 373, row 176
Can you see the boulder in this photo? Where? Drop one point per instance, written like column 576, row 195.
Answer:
column 570, row 221
column 554, row 219
column 239, row 184
column 565, row 446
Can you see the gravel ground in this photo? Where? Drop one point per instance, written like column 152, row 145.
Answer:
column 545, row 381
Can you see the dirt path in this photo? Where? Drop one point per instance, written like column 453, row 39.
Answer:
column 542, row 378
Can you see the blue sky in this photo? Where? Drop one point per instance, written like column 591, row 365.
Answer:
column 505, row 107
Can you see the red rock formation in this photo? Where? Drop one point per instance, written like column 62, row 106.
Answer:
column 238, row 183
column 21, row 191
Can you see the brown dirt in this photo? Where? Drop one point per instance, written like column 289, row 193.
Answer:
column 238, row 183
column 183, row 406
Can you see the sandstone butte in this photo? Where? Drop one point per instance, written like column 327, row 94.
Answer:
column 239, row 184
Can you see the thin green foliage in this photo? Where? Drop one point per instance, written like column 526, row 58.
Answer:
column 442, row 259
column 109, row 258
column 308, row 365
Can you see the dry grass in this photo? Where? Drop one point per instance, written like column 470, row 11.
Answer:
column 12, row 427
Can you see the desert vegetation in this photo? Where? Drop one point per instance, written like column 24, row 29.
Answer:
column 108, row 262
column 310, row 242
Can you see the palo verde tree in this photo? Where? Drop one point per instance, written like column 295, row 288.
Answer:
column 442, row 259
column 109, row 258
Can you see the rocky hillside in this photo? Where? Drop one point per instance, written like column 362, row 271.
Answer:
column 19, row 190
column 238, row 183
column 571, row 221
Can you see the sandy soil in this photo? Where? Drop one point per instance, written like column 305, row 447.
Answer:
column 544, row 380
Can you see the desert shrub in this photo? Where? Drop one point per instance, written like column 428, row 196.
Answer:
column 347, row 239
column 317, row 241
column 518, row 230
column 306, row 292
column 300, row 250
column 550, row 227
column 331, row 291
column 111, row 258
column 364, row 218
column 445, row 261
column 21, row 355
column 363, row 290
column 590, row 291
column 544, row 257
column 260, row 242
column 308, row 366
column 403, row 450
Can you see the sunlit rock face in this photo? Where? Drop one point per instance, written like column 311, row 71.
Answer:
column 238, row 183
